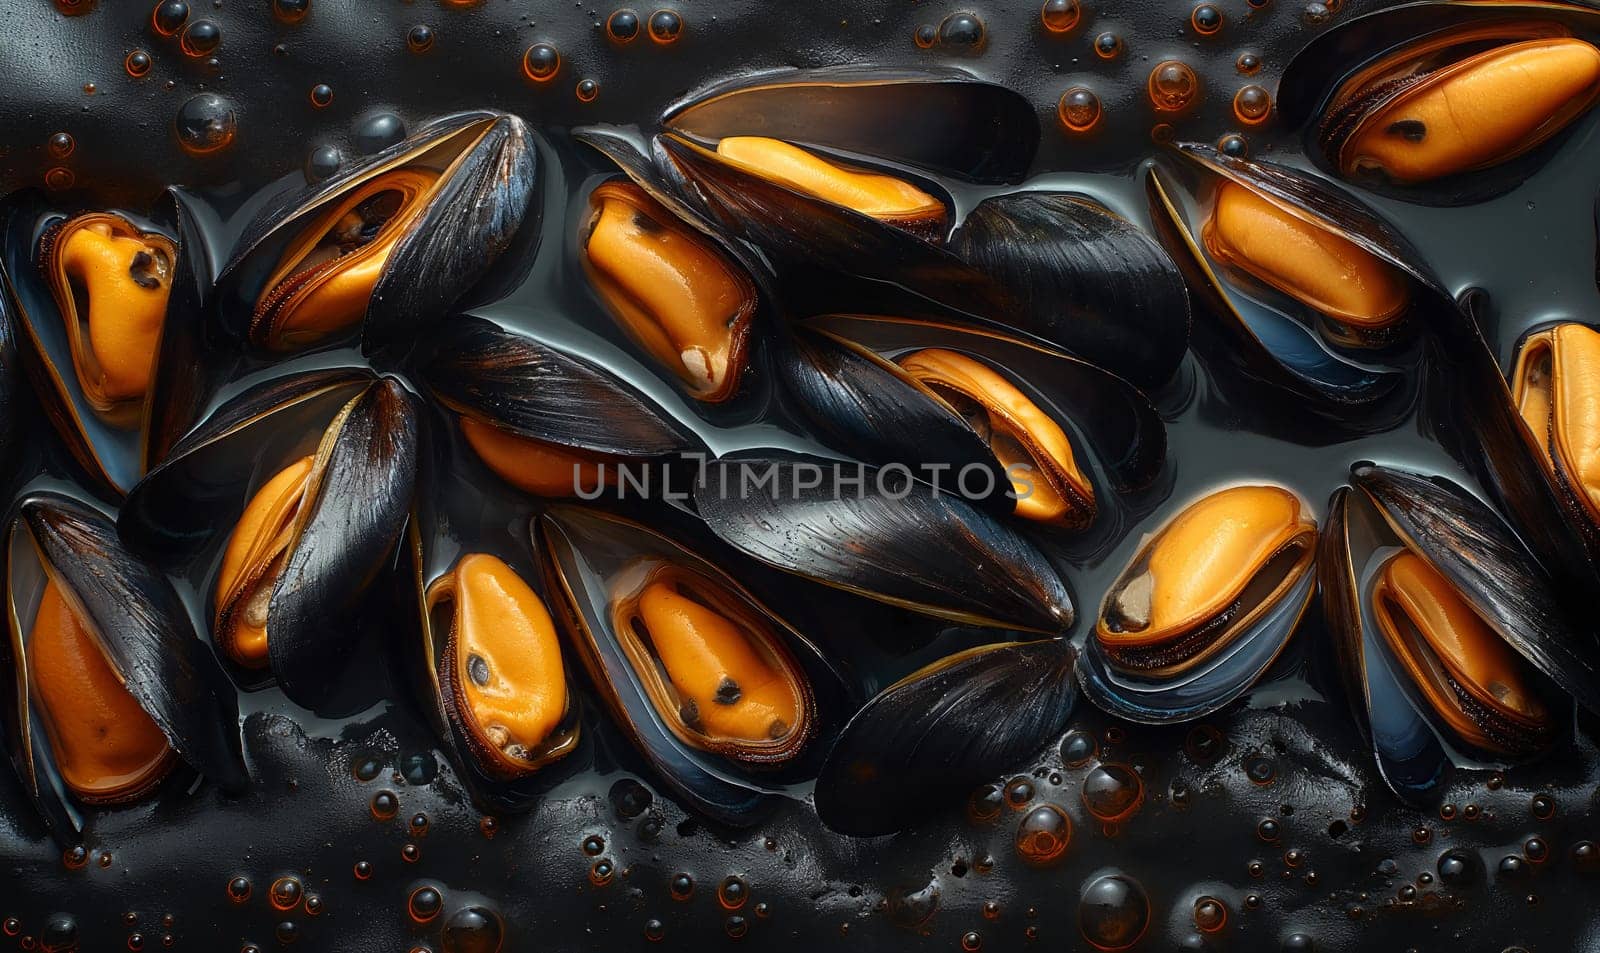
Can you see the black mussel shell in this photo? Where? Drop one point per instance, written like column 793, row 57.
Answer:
column 110, row 448
column 1311, row 80
column 187, row 367
column 142, row 626
column 1471, row 547
column 879, row 534
column 1116, row 421
column 9, row 384
column 582, row 553
column 1056, row 267
column 866, row 406
column 930, row 738
column 1273, row 337
column 531, row 389
column 944, row 121
column 470, row 216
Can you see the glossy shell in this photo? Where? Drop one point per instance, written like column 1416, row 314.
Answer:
column 1554, row 385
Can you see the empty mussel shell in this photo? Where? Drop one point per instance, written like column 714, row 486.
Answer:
column 1459, row 108
column 1556, row 386
column 942, row 121
column 1054, row 266
column 671, row 287
column 546, row 420
column 1317, row 294
column 107, row 685
column 93, row 292
column 939, row 732
column 880, row 534
column 1450, row 640
column 1204, row 608
column 724, row 698
column 390, row 244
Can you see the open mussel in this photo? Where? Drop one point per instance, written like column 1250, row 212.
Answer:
column 724, row 698
column 671, row 287
column 547, row 421
column 108, row 686
column 306, row 483
column 880, row 534
column 94, row 292
column 501, row 692
column 1456, row 111
column 1204, row 607
column 1317, row 294
column 391, row 243
column 933, row 736
column 1556, row 386
column 1449, row 637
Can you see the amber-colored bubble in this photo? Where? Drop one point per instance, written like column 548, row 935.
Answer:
column 286, row 893
column 425, row 903
column 971, row 942
column 1173, row 86
column 200, row 38
column 1206, row 19
column 1060, row 16
column 137, row 63
column 1210, row 914
column 473, row 929
column 925, row 36
column 1252, row 104
column 384, row 805
column 322, row 95
column 666, row 26
column 1079, row 111
column 1234, row 146
column 1108, row 46
column 587, row 90
column 239, row 889
column 541, row 62
column 169, row 17
column 733, row 892
column 363, row 869
column 75, row 857
column 622, row 26
column 1112, row 792
column 601, row 873
column 1043, row 836
column 1248, row 63
column 1113, row 912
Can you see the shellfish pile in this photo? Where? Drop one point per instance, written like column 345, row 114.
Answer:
column 266, row 469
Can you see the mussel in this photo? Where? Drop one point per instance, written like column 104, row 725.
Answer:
column 303, row 483
column 1556, row 385
column 722, row 696
column 9, row 369
column 391, row 243
column 942, row 730
column 671, row 288
column 1317, row 295
column 497, row 667
column 1449, row 637
column 948, row 409
column 111, row 686
column 550, row 422
column 110, row 279
column 1444, row 103
column 1459, row 100
column 880, row 534
column 1204, row 607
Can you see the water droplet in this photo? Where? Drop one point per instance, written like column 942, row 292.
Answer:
column 1252, row 105
column 654, row 930
column 205, row 123
column 473, row 929
column 419, row 824
column 419, row 39
column 1060, row 16
column 587, row 90
column 378, row 132
column 239, row 889
column 489, row 827
column 601, row 873
column 313, row 905
column 593, row 845
column 291, row 11
column 541, row 62
column 425, row 903
column 363, row 869
column 963, row 32
column 666, row 26
column 1259, row 769
column 322, row 95
column 1108, row 46
column 622, row 26
column 1112, row 792
column 1536, row 850
column 1043, row 836
column 1210, row 914
column 1077, row 104
column 137, row 63
column 201, row 38
column 285, row 893
column 169, row 17
column 1315, row 13
column 629, row 798
column 1019, row 791
column 1586, row 856
column 1543, row 806
column 286, row 932
column 1457, row 868
column 1113, row 912
column 733, row 892
column 76, row 857
column 681, row 887
column 385, row 805
column 971, row 942
column 1206, row 19
column 1173, row 86
column 984, row 804
column 736, row 927
column 410, row 853
column 1421, row 836
column 925, row 36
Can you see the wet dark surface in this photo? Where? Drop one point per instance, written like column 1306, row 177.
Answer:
column 595, row 863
